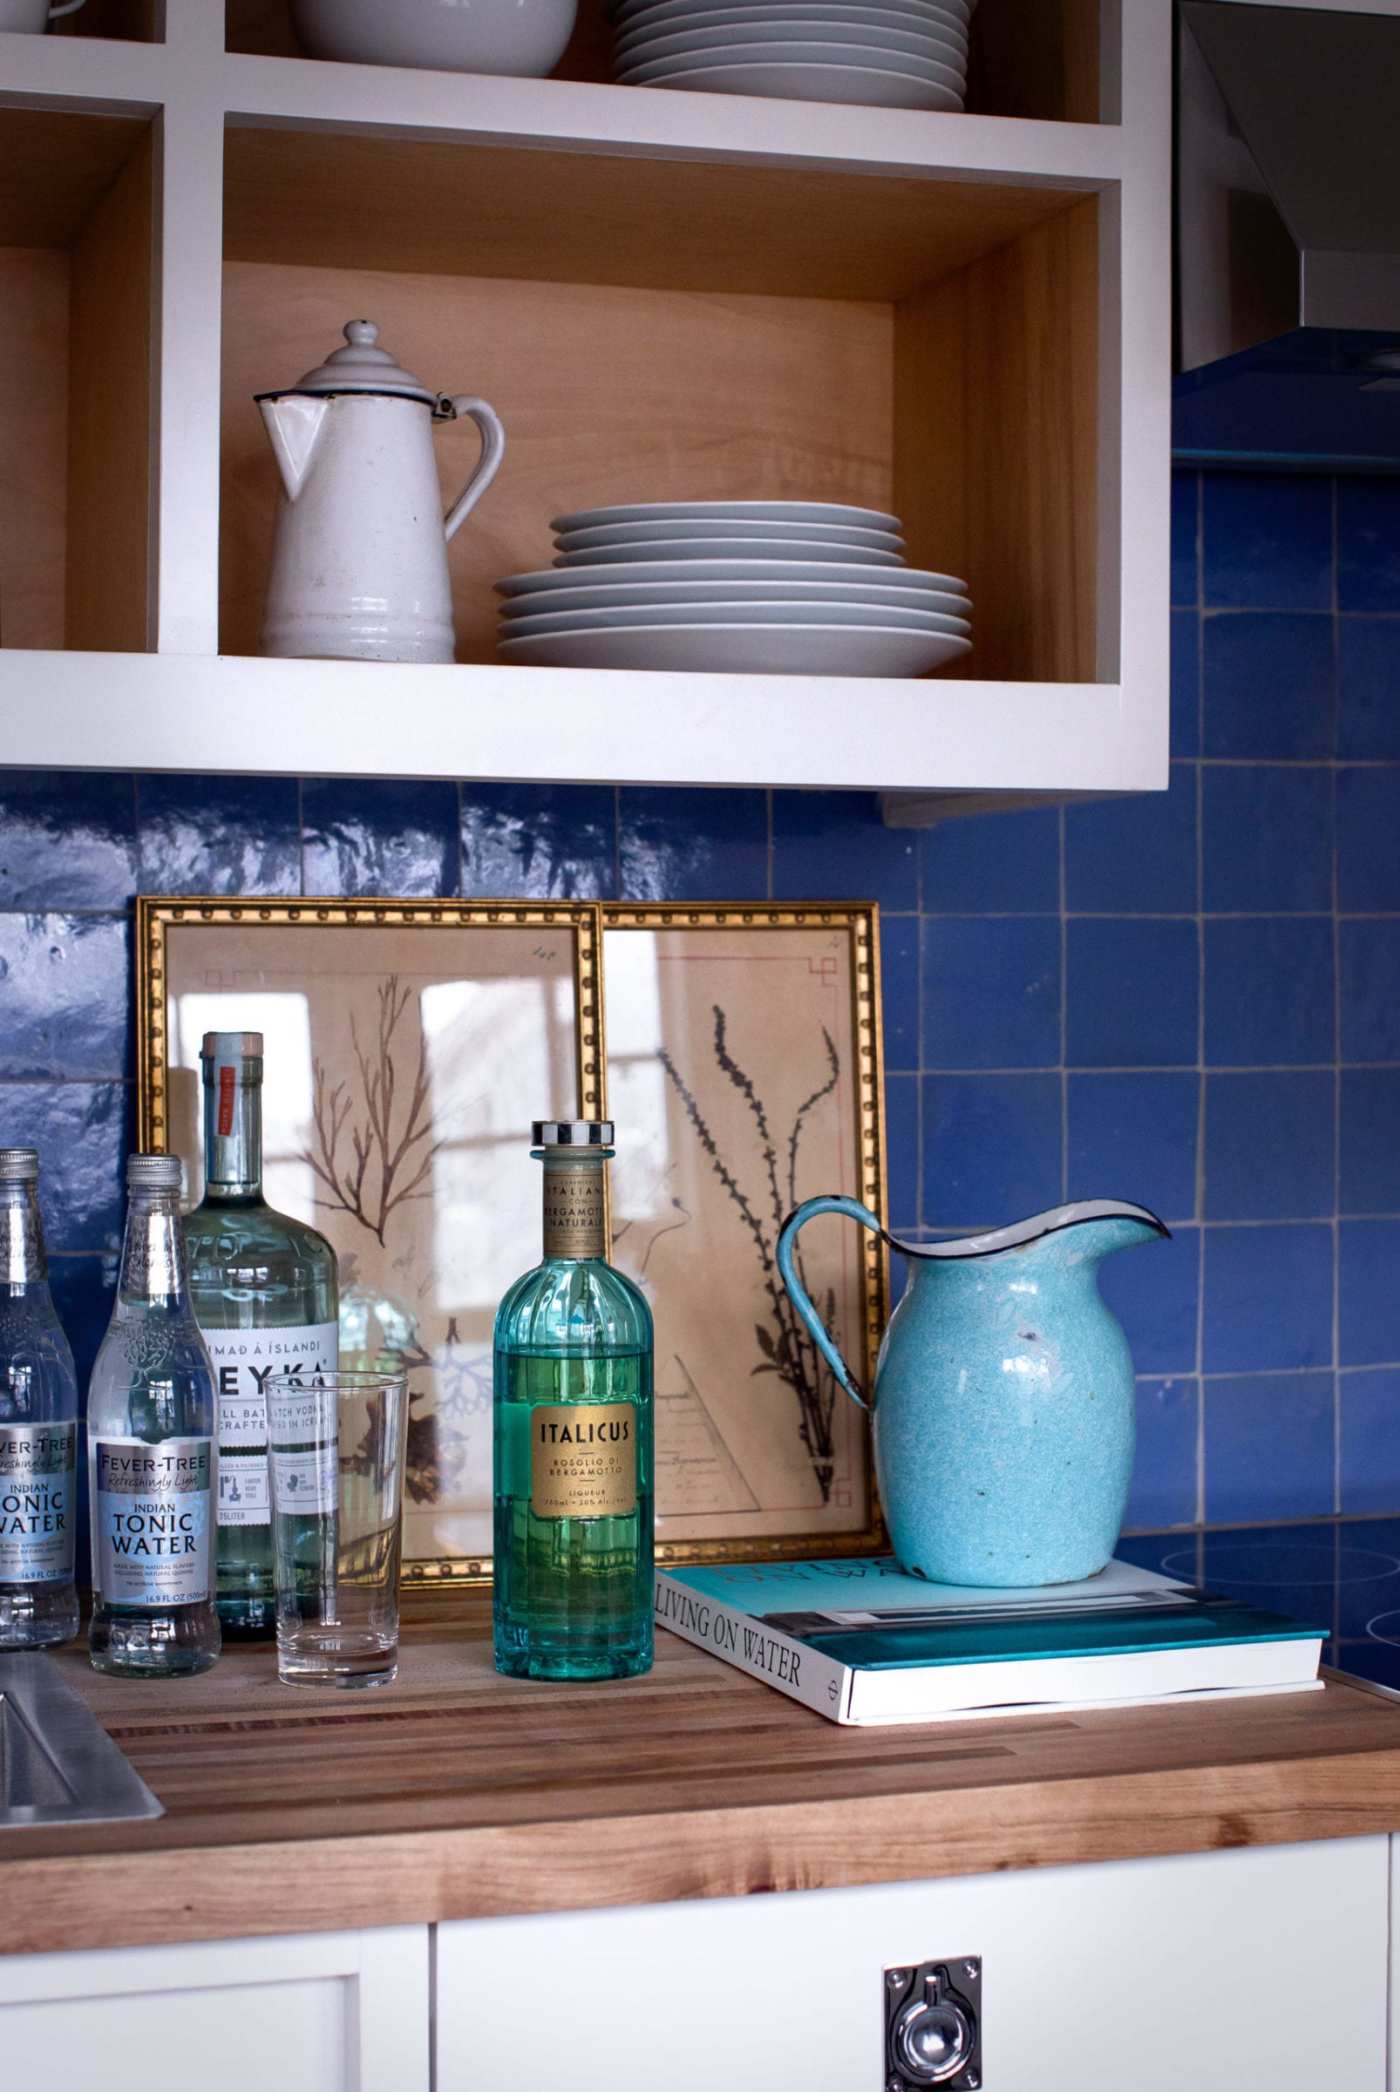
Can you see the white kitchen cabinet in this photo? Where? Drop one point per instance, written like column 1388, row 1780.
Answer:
column 321, row 2011
column 1242, row 1971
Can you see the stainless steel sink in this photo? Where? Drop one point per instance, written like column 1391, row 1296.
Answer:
column 57, row 1763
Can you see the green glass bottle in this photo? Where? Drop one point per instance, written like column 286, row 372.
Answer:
column 573, row 1437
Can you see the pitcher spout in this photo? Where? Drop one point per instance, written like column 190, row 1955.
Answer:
column 1102, row 1226
column 295, row 422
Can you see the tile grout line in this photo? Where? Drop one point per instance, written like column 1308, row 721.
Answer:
column 1336, row 1040
column 1060, row 831
column 1200, row 1003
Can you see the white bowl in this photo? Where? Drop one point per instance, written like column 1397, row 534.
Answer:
column 685, row 551
column 647, row 44
column 673, row 528
column 523, row 37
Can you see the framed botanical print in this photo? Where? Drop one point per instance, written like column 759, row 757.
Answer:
column 408, row 1046
column 743, row 1065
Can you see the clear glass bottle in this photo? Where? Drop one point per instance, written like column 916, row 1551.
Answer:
column 152, row 1457
column 264, row 1293
column 573, row 1437
column 38, row 1427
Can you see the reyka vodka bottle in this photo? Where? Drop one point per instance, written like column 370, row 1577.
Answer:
column 573, row 1438
column 152, row 1457
column 264, row 1292
column 38, row 1427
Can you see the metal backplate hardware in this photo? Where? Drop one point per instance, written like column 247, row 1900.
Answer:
column 933, row 2025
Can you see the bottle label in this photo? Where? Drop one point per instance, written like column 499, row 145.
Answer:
column 37, row 1493
column 154, row 1534
column 574, row 1213
column 244, row 1359
column 583, row 1459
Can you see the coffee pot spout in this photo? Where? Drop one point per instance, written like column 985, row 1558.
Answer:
column 295, row 424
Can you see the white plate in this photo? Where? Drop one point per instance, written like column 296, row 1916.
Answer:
column 948, row 15
column 674, row 528
column 560, row 576
column 616, row 595
column 680, row 549
column 722, row 511
column 796, row 81
column 913, row 16
column 625, row 618
column 718, row 50
column 647, row 44
column 794, row 650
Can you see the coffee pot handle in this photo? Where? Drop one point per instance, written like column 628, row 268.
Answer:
column 830, row 1202
column 493, row 449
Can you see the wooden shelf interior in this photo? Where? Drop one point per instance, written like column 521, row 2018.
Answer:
column 76, row 288
column 654, row 329
column 128, row 21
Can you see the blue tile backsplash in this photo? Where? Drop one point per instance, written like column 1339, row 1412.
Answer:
column 1191, row 999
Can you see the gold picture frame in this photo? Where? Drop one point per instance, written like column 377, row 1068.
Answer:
column 742, row 1061
column 487, row 1003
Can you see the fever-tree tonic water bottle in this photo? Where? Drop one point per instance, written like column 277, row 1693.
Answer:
column 38, row 1427
column 573, row 1433
column 264, row 1292
column 152, row 1458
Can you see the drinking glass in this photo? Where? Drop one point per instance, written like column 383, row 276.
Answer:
column 335, row 1460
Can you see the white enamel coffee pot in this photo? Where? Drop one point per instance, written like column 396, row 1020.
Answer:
column 32, row 17
column 359, row 564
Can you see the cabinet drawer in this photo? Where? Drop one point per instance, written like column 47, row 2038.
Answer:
column 1249, row 1971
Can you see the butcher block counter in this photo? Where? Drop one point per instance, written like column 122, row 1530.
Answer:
column 456, row 1793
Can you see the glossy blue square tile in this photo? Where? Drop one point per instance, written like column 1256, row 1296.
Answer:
column 1186, row 683
column 1266, row 541
column 1369, row 1176
column 392, row 836
column 693, row 845
column 902, row 1150
column 1268, row 1298
column 834, row 846
column 1269, row 992
column 1164, row 1472
column 1186, row 495
column 67, row 839
column 1269, row 1446
column 1267, row 680
column 1368, row 840
column 1134, row 1137
column 1132, row 990
column 539, row 842
column 899, row 987
column 1370, row 1406
column 1134, row 856
column 66, row 996
column 1368, row 689
column 84, row 1288
column 1369, row 1302
column 1154, row 1290
column 991, row 991
column 1368, row 960
column 991, row 1148
column 992, row 864
column 1269, row 1146
column 218, row 835
column 1372, row 1582
column 1267, row 840
column 83, row 1133
column 1368, row 531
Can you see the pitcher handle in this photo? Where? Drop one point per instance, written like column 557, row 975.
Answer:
column 493, row 449
column 829, row 1202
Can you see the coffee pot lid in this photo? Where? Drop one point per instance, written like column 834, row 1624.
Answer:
column 363, row 367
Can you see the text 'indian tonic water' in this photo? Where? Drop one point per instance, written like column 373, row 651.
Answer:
column 38, row 1427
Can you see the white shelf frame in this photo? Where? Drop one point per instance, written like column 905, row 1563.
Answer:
column 170, row 709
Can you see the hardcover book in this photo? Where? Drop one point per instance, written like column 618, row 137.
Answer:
column 860, row 1641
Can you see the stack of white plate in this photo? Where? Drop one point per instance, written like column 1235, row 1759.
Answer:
column 894, row 54
column 753, row 587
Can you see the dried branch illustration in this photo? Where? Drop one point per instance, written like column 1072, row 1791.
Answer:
column 383, row 1162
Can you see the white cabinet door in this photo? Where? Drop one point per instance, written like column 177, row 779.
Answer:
column 324, row 2012
column 1245, row 1971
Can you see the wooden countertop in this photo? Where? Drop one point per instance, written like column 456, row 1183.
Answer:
column 456, row 1793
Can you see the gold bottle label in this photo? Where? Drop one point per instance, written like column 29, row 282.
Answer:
column 583, row 1459
column 573, row 1210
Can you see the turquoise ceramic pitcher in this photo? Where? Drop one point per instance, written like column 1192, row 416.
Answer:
column 1003, row 1401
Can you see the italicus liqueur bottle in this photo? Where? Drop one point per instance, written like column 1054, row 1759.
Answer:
column 152, row 1458
column 38, row 1427
column 573, row 1430
column 264, row 1292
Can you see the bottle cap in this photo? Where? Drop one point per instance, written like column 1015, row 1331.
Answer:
column 19, row 1165
column 154, row 1173
column 232, row 1046
column 572, row 1133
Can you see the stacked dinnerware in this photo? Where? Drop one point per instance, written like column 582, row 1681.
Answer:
column 752, row 587
column 892, row 54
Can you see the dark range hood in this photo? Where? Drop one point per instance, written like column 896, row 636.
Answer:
column 1287, row 238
